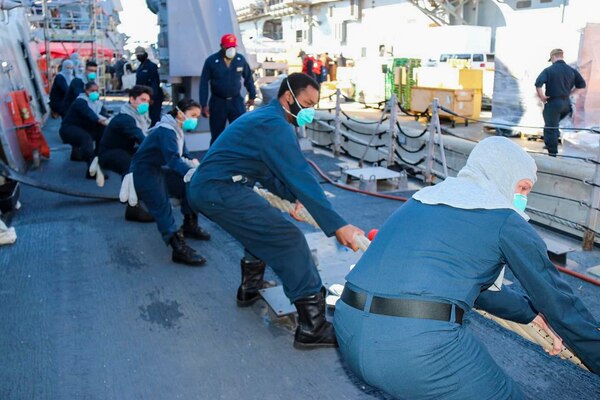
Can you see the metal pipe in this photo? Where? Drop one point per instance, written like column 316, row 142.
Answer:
column 429, row 176
column 392, row 130
column 46, row 40
column 337, row 134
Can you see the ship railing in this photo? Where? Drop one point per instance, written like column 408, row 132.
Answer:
column 397, row 136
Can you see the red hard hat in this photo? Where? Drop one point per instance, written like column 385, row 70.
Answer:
column 229, row 40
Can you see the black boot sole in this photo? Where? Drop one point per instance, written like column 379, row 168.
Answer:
column 248, row 302
column 188, row 263
column 144, row 217
column 188, row 235
column 314, row 346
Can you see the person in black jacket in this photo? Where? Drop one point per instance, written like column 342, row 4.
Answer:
column 60, row 86
column 560, row 81
column 147, row 75
column 84, row 123
column 124, row 132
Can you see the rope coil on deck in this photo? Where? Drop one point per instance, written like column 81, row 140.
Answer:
column 529, row 332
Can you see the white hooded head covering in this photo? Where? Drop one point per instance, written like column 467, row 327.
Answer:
column 67, row 71
column 487, row 181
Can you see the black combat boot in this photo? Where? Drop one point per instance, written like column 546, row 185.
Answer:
column 137, row 214
column 76, row 154
column 191, row 229
column 184, row 254
column 313, row 329
column 252, row 281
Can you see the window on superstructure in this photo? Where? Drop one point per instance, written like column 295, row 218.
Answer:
column 523, row 4
column 299, row 36
column 273, row 29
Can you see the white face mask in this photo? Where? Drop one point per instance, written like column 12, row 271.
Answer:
column 230, row 52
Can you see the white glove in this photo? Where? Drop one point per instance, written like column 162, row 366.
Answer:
column 127, row 193
column 99, row 177
column 93, row 167
column 188, row 177
column 96, row 171
column 7, row 235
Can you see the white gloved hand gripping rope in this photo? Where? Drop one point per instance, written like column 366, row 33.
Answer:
column 127, row 193
column 96, row 171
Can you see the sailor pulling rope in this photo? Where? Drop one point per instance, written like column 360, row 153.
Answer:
column 530, row 331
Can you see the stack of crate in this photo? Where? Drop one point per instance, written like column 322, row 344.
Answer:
column 400, row 79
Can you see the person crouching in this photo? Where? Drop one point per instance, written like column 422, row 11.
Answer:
column 84, row 124
column 159, row 167
column 125, row 131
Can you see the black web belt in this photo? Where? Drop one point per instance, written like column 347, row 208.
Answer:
column 407, row 308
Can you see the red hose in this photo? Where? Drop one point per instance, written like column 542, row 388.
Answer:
column 564, row 270
column 579, row 275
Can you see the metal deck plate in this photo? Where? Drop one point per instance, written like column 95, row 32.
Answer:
column 378, row 172
column 334, row 263
column 277, row 301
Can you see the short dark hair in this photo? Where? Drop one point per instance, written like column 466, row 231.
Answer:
column 184, row 105
column 89, row 85
column 91, row 63
column 298, row 82
column 138, row 90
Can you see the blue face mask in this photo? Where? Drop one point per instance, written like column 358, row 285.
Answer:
column 303, row 116
column 190, row 124
column 94, row 96
column 143, row 108
column 91, row 76
column 520, row 201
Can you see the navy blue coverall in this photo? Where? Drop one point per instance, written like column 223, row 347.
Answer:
column 450, row 255
column 117, row 146
column 80, row 129
column 560, row 79
column 57, row 95
column 262, row 146
column 76, row 87
column 226, row 103
column 158, row 172
column 147, row 75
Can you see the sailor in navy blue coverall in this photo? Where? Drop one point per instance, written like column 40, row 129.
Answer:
column 76, row 87
column 147, row 75
column 60, row 87
column 159, row 167
column 121, row 137
column 82, row 127
column 560, row 81
column 125, row 131
column 399, row 321
column 224, row 72
column 261, row 146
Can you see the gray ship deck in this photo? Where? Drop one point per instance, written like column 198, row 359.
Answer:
column 92, row 308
